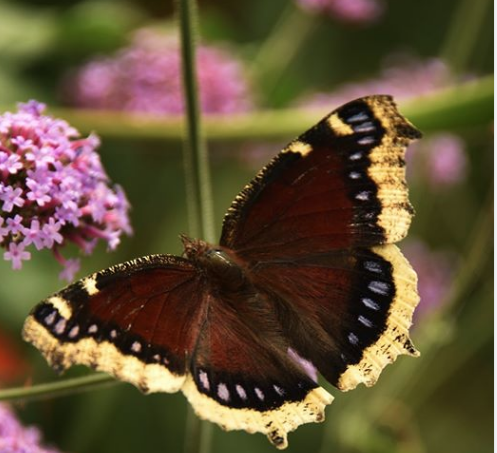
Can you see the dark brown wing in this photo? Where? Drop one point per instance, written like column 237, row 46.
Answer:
column 137, row 321
column 341, row 184
column 347, row 312
column 242, row 376
column 160, row 324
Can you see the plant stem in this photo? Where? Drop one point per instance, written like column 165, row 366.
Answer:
column 57, row 388
column 462, row 37
column 199, row 191
column 281, row 46
column 464, row 105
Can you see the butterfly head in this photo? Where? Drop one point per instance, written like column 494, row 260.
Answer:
column 193, row 248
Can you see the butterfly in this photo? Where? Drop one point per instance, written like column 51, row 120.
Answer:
column 306, row 278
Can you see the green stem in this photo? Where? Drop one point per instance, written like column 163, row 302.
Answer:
column 57, row 388
column 464, row 105
column 281, row 47
column 198, row 434
column 199, row 191
column 462, row 37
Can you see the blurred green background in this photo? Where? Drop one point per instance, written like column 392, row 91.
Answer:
column 442, row 401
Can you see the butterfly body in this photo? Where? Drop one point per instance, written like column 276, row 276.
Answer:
column 306, row 278
column 219, row 265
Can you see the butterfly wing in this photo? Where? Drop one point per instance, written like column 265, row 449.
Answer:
column 137, row 321
column 347, row 312
column 316, row 228
column 341, row 184
column 242, row 376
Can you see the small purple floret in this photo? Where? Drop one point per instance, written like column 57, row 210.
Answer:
column 16, row 254
column 11, row 197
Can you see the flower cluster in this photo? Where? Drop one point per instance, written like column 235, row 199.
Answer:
column 15, row 438
column 146, row 77
column 53, row 189
column 357, row 11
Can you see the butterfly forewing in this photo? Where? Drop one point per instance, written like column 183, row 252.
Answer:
column 341, row 184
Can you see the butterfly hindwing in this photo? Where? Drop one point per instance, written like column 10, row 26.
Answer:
column 242, row 376
column 348, row 313
column 137, row 321
column 340, row 184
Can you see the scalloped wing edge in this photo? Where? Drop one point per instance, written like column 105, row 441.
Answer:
column 394, row 341
column 101, row 356
column 104, row 356
column 275, row 423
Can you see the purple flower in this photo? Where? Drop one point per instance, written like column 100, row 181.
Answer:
column 358, row 11
column 439, row 159
column 447, row 162
column 71, row 268
column 38, row 191
column 435, row 270
column 15, row 438
column 34, row 235
column 51, row 181
column 51, row 233
column 16, row 254
column 22, row 143
column 9, row 163
column 11, row 197
column 146, row 77
column 402, row 80
column 14, row 224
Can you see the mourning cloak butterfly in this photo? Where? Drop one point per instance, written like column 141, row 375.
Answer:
column 306, row 277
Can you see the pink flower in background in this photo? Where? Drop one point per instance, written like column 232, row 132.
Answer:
column 53, row 189
column 446, row 164
column 358, row 11
column 15, row 438
column 401, row 80
column 439, row 159
column 435, row 270
column 146, row 77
